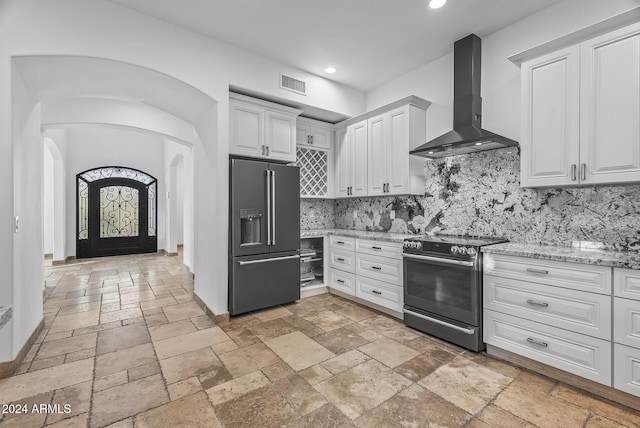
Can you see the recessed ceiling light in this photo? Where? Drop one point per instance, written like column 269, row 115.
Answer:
column 429, row 153
column 330, row 70
column 435, row 4
column 478, row 144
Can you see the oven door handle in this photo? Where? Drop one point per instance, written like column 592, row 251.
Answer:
column 437, row 321
column 438, row 259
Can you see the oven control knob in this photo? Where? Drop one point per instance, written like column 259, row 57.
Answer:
column 405, row 244
column 471, row 251
column 455, row 249
column 462, row 250
column 417, row 245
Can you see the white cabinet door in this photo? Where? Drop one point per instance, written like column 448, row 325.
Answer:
column 399, row 133
column 280, row 136
column 343, row 163
column 550, row 138
column 359, row 159
column 610, row 107
column 246, row 130
column 377, row 155
column 309, row 135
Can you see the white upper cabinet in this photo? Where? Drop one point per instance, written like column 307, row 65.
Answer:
column 358, row 143
column 378, row 161
column 342, row 162
column 315, row 158
column 261, row 129
column 313, row 133
column 610, row 107
column 551, row 119
column 351, row 160
column 581, row 113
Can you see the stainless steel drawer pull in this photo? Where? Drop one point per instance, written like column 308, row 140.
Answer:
column 377, row 248
column 340, row 242
column 341, row 281
column 574, row 175
column 376, row 292
column 376, row 267
column 340, row 259
column 583, row 171
column 540, row 271
column 537, row 342
column 536, row 303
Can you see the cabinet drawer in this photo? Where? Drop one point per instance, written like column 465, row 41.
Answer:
column 626, row 369
column 626, row 321
column 626, row 283
column 579, row 311
column 379, row 268
column 576, row 353
column 596, row 279
column 343, row 260
column 379, row 292
column 343, row 281
column 342, row 243
column 379, row 248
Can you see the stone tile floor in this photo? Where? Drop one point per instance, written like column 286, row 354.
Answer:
column 125, row 345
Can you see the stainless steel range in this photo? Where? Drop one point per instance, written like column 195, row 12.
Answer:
column 443, row 287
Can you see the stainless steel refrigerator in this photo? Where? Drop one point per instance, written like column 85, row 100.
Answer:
column 264, row 235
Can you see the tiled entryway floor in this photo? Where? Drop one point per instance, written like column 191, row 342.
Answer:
column 125, row 345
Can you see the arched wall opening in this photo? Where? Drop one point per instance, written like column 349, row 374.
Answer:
column 36, row 108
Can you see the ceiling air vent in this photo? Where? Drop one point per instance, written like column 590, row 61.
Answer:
column 293, row 85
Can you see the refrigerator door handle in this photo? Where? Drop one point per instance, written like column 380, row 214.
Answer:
column 274, row 259
column 268, row 207
column 273, row 208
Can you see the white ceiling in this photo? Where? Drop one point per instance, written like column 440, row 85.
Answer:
column 369, row 41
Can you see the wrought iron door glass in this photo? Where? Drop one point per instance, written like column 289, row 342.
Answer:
column 119, row 211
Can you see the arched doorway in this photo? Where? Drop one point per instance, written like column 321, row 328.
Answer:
column 117, row 212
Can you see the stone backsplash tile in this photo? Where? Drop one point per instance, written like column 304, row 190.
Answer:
column 317, row 214
column 479, row 194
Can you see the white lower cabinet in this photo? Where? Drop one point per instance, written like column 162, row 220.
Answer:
column 575, row 353
column 626, row 373
column 343, row 260
column 579, row 311
column 370, row 270
column 556, row 313
column 626, row 328
column 379, row 292
column 343, row 281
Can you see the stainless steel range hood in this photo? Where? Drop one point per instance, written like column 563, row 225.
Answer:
column 467, row 135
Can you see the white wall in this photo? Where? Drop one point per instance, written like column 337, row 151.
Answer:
column 24, row 278
column 48, row 201
column 500, row 78
column 179, row 179
column 92, row 146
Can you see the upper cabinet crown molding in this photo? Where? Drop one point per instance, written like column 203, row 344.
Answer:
column 410, row 100
column 615, row 22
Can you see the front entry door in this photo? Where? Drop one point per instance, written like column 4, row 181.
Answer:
column 117, row 218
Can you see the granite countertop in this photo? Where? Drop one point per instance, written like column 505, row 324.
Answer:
column 5, row 315
column 619, row 259
column 363, row 234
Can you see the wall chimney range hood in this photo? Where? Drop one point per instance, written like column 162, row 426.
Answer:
column 467, row 135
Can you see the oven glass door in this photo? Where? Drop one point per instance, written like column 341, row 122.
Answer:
column 443, row 288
